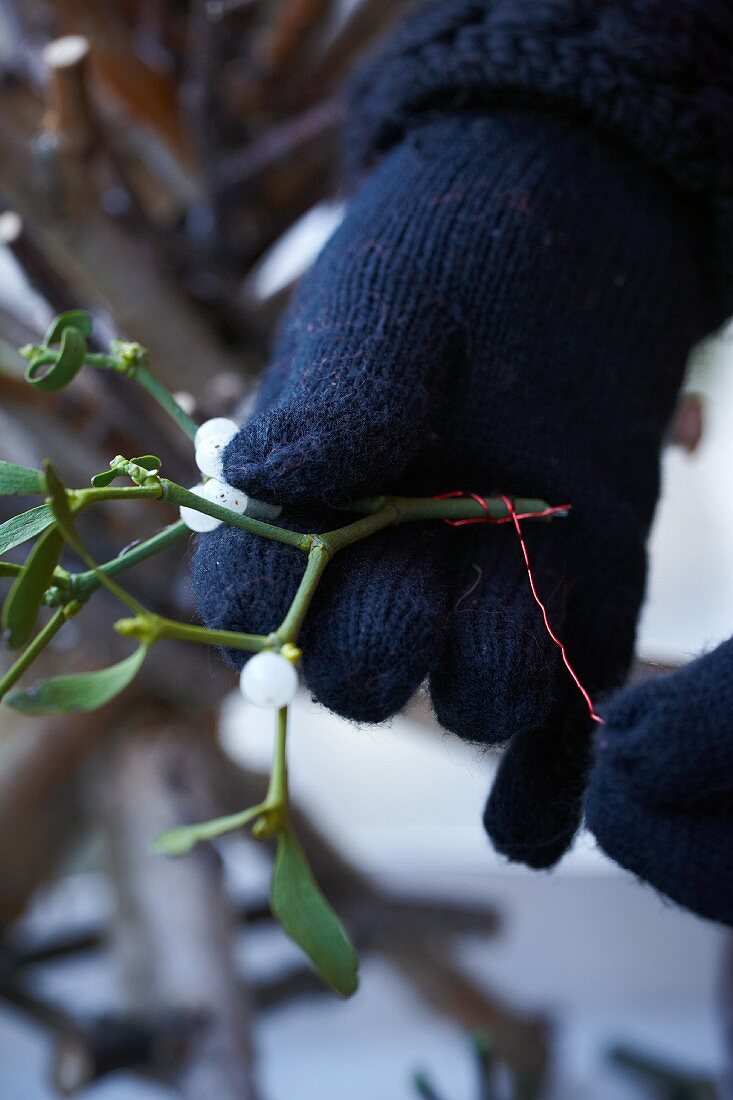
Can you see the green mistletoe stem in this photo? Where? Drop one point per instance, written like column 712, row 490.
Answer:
column 457, row 508
column 130, row 360
column 318, row 559
column 82, row 585
column 73, row 590
column 147, row 381
column 276, row 806
column 148, row 628
column 385, row 511
column 84, row 498
column 176, row 494
column 45, row 635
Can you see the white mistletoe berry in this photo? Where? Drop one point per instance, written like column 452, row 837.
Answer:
column 269, row 680
column 209, row 455
column 198, row 521
column 218, row 492
column 219, row 427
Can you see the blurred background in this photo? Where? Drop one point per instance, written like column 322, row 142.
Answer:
column 170, row 166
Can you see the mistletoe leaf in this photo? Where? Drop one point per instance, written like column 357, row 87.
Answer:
column 180, row 841
column 59, row 503
column 84, row 692
column 27, row 525
column 77, row 319
column 68, row 363
column 101, row 481
column 148, row 462
column 306, row 916
column 24, row 600
column 20, row 480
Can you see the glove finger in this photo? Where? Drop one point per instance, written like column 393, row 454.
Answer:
column 358, row 371
column 246, row 583
column 533, row 811
column 375, row 630
column 333, row 437
column 670, row 737
column 498, row 667
column 686, row 855
column 534, row 808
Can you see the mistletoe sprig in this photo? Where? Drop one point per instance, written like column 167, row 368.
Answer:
column 269, row 678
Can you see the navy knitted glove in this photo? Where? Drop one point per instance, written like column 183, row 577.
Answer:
column 508, row 306
column 660, row 800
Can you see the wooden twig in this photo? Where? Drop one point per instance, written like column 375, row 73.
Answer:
column 150, row 21
column 87, row 1052
column 36, row 1008
column 395, row 918
column 298, row 984
column 148, row 95
column 277, row 147
column 279, row 48
column 69, row 112
column 669, row 1082
column 369, row 21
column 218, row 10
column 522, row 1041
column 42, row 275
column 292, row 190
column 35, row 952
column 173, row 930
column 24, row 26
column 68, row 127
column 40, row 804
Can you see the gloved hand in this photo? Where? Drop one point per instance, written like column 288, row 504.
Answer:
column 660, row 798
column 507, row 307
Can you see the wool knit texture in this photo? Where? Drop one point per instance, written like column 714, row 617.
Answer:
column 660, row 800
column 657, row 74
column 508, row 306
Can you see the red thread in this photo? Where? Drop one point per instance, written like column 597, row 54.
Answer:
column 515, row 517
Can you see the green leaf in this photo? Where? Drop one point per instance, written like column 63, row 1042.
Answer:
column 19, row 480
column 77, row 319
column 59, row 503
column 87, row 691
column 101, row 481
column 306, row 916
column 148, row 462
column 180, row 841
column 10, row 569
column 69, row 362
column 27, row 525
column 24, row 600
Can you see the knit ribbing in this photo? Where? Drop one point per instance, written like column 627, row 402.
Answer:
column 657, row 74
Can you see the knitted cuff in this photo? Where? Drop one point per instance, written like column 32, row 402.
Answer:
column 657, row 74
